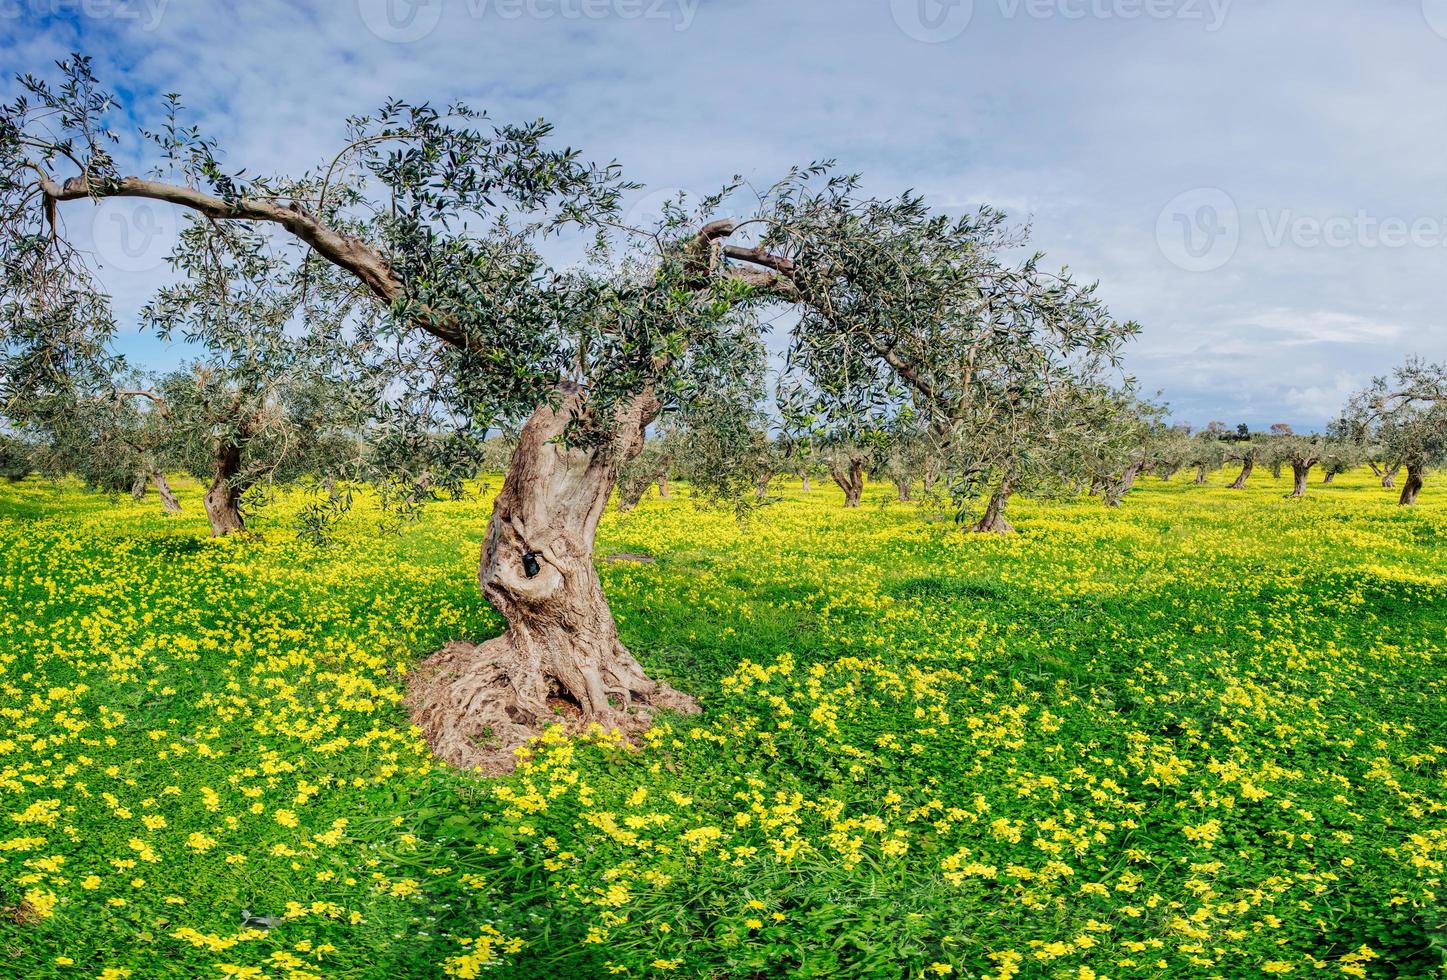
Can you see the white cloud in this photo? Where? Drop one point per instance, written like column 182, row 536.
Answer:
column 1087, row 127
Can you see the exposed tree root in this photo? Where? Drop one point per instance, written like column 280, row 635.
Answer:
column 477, row 704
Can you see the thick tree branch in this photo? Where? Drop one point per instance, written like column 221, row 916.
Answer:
column 343, row 250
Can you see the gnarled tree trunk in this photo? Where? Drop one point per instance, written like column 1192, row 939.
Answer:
column 993, row 521
column 1275, row 471
column 1299, row 473
column 1411, row 486
column 761, row 488
column 663, row 488
column 223, row 498
column 1330, row 477
column 901, row 487
column 1389, row 477
column 850, row 480
column 1115, row 492
column 1200, row 474
column 138, row 488
column 168, row 499
column 806, row 484
column 1240, row 482
column 560, row 658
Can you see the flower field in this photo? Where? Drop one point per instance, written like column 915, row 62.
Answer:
column 1203, row 735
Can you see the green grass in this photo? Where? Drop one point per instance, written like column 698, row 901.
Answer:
column 1202, row 735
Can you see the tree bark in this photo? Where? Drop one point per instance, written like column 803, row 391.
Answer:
column 1299, row 474
column 1200, row 474
column 138, row 488
column 806, row 484
column 560, row 658
column 663, row 489
column 850, row 480
column 1389, row 477
column 1275, row 471
column 223, row 499
column 168, row 498
column 1115, row 492
column 1240, row 481
column 1330, row 477
column 993, row 521
column 1411, row 486
column 761, row 488
column 902, row 488
column 931, row 473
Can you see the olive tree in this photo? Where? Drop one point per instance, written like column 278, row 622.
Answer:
column 1338, row 457
column 1171, row 450
column 1207, row 454
column 1405, row 414
column 17, row 458
column 1248, row 452
column 436, row 220
column 1301, row 453
column 649, row 467
column 114, row 436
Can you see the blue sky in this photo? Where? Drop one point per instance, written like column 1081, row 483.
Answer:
column 1260, row 183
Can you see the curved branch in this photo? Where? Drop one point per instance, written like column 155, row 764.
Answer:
column 342, row 250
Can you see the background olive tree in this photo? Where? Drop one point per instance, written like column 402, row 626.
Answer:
column 427, row 229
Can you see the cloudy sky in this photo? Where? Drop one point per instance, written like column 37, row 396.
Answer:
column 1261, row 183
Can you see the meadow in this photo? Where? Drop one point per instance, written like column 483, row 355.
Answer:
column 1198, row 736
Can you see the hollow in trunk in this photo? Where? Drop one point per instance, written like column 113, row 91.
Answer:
column 560, row 659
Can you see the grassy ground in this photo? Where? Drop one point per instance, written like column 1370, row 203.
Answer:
column 1202, row 736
